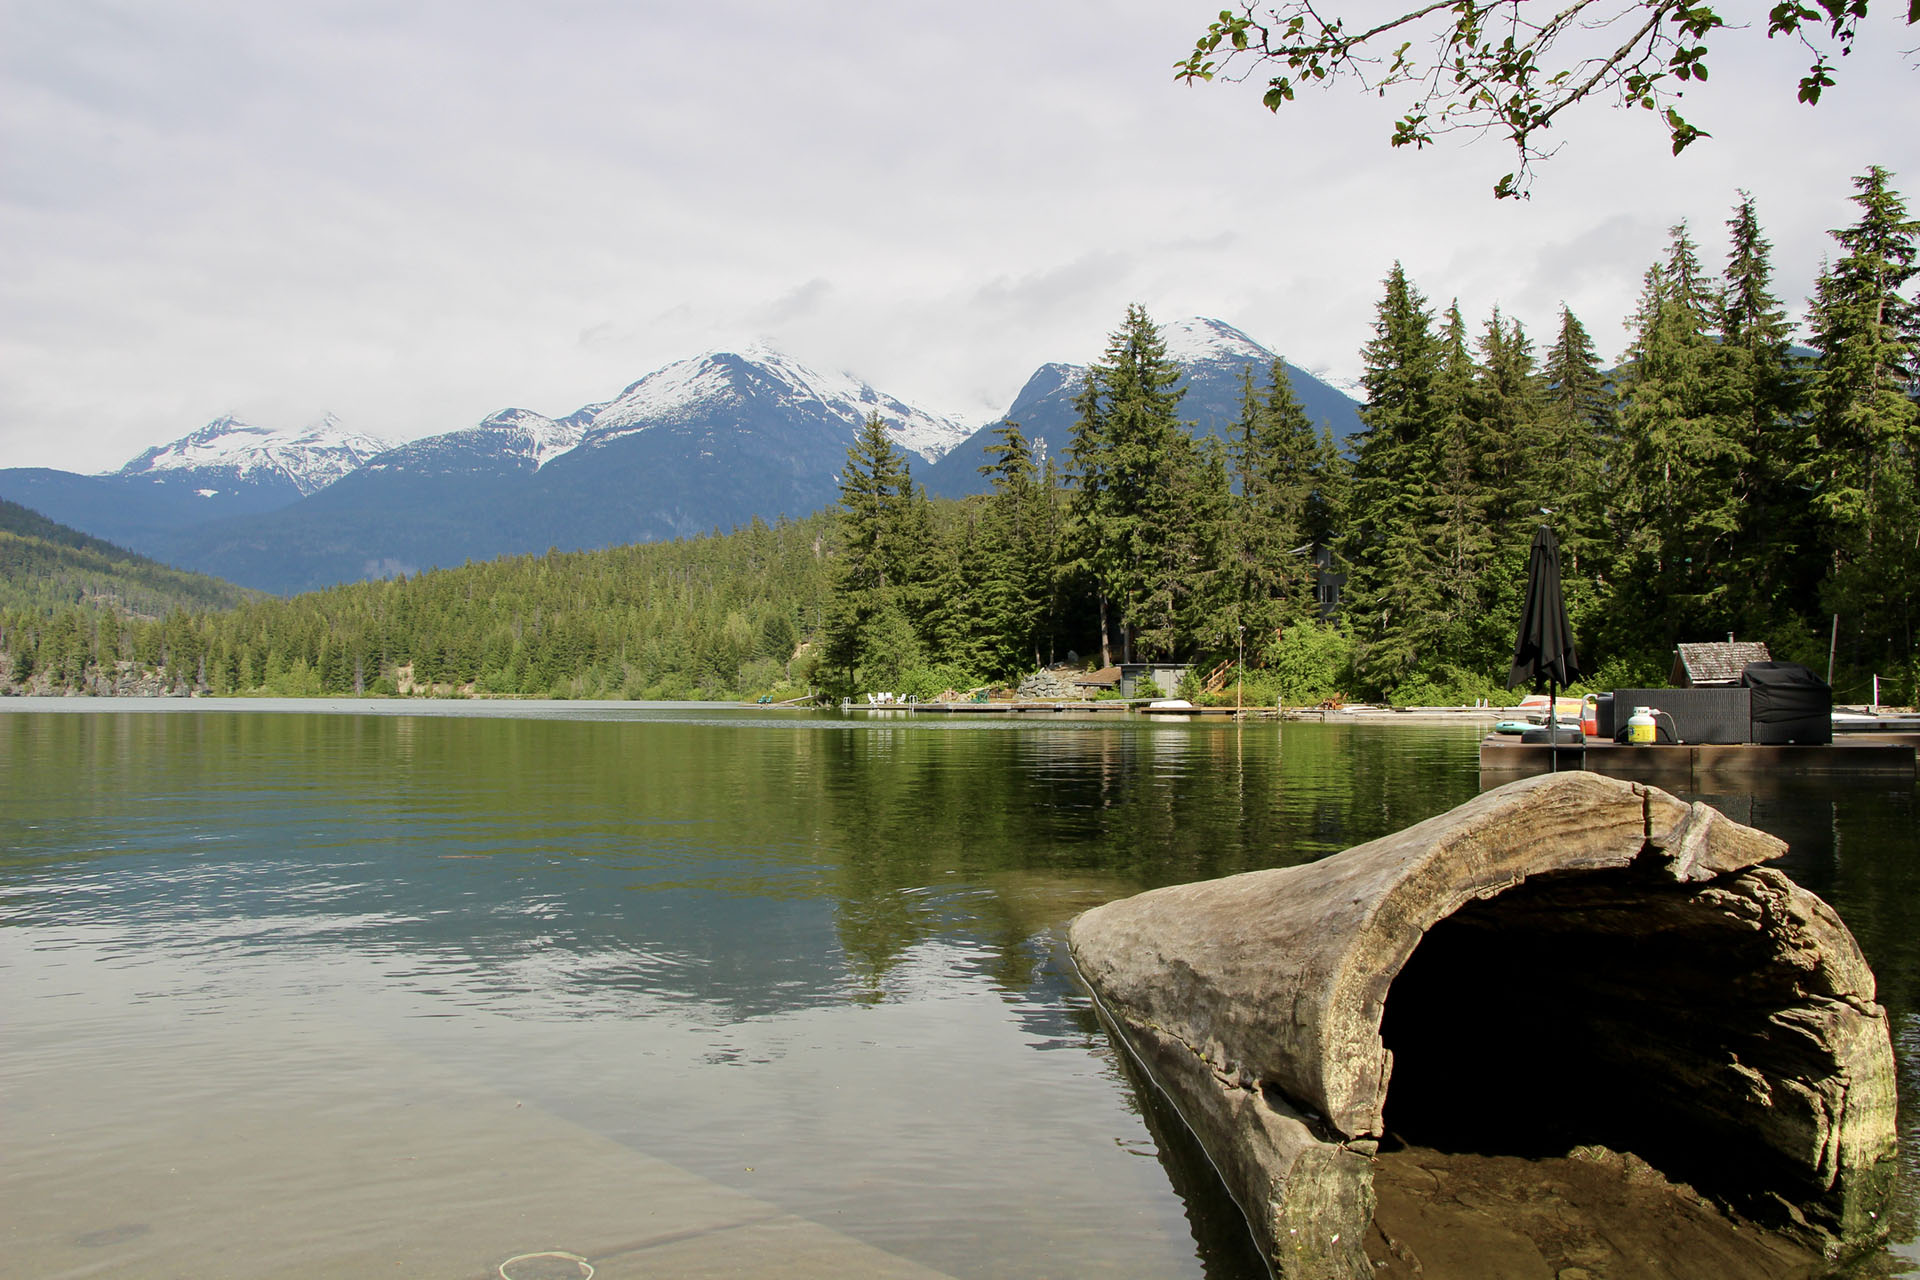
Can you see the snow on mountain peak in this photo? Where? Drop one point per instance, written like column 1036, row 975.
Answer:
column 534, row 435
column 310, row 457
column 1198, row 339
column 720, row 378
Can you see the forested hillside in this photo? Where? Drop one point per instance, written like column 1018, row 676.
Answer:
column 45, row 567
column 1710, row 481
column 663, row 620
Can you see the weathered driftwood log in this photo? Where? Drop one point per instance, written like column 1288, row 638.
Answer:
column 1567, row 958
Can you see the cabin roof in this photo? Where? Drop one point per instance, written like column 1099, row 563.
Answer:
column 1714, row 662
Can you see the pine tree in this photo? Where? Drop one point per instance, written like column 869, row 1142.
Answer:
column 1866, row 425
column 1677, row 511
column 1124, row 444
column 1015, row 570
column 1185, row 602
column 1276, row 460
column 875, row 521
column 1389, row 593
column 1579, row 429
column 1460, row 505
column 1776, row 566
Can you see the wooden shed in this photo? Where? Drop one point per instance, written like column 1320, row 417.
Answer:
column 1716, row 663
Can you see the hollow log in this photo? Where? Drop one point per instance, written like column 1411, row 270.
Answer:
column 1565, row 959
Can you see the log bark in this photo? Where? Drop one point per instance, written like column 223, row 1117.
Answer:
column 1256, row 1002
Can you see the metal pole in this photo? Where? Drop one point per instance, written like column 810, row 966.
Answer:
column 1832, row 648
column 1553, row 719
column 1240, row 675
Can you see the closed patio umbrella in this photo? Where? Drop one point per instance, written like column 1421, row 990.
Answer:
column 1544, row 649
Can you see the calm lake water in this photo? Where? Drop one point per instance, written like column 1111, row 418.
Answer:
column 322, row 989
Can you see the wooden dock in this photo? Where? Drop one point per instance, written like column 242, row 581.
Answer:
column 1702, row 766
column 1062, row 706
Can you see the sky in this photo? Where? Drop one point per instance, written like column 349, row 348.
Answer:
column 414, row 214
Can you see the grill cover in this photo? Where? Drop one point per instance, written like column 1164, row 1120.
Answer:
column 1790, row 703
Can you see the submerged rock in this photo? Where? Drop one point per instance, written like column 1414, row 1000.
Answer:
column 1569, row 959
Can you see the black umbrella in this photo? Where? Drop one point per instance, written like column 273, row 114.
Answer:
column 1544, row 650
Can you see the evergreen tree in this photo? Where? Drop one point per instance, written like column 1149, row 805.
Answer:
column 1776, row 566
column 1678, row 515
column 1578, row 435
column 876, row 521
column 1277, row 465
column 1125, row 439
column 1390, row 590
column 1014, row 569
column 1457, row 516
column 1183, row 602
column 1866, row 425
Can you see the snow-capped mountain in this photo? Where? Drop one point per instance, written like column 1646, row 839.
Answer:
column 1213, row 355
column 1198, row 340
column 227, row 469
column 228, row 451
column 717, row 382
column 508, row 441
column 705, row 443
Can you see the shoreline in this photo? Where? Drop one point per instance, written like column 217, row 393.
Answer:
column 493, row 707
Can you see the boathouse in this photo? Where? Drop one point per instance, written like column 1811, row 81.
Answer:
column 1152, row 679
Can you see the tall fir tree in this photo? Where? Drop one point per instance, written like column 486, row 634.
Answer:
column 1676, row 511
column 1390, row 587
column 1578, row 435
column 1775, row 567
column 1462, row 507
column 1276, row 466
column 1015, row 572
column 876, row 528
column 1126, row 451
column 1866, row 426
column 1183, row 605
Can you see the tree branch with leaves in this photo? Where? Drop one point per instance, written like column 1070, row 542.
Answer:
column 1508, row 66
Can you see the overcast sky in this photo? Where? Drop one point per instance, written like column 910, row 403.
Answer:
column 414, row 214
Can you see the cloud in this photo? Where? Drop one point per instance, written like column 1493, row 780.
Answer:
column 796, row 303
column 416, row 214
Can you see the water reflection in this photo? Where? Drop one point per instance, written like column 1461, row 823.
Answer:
column 822, row 947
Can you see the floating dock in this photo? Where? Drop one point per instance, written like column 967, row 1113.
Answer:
column 1049, row 707
column 1702, row 766
column 1065, row 706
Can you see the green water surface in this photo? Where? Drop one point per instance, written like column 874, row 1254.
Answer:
column 816, row 958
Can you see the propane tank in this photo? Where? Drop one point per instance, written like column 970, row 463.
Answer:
column 1641, row 730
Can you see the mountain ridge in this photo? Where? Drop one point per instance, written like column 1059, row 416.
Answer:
column 45, row 566
column 708, row 442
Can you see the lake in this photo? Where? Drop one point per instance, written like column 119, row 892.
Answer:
column 315, row 989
